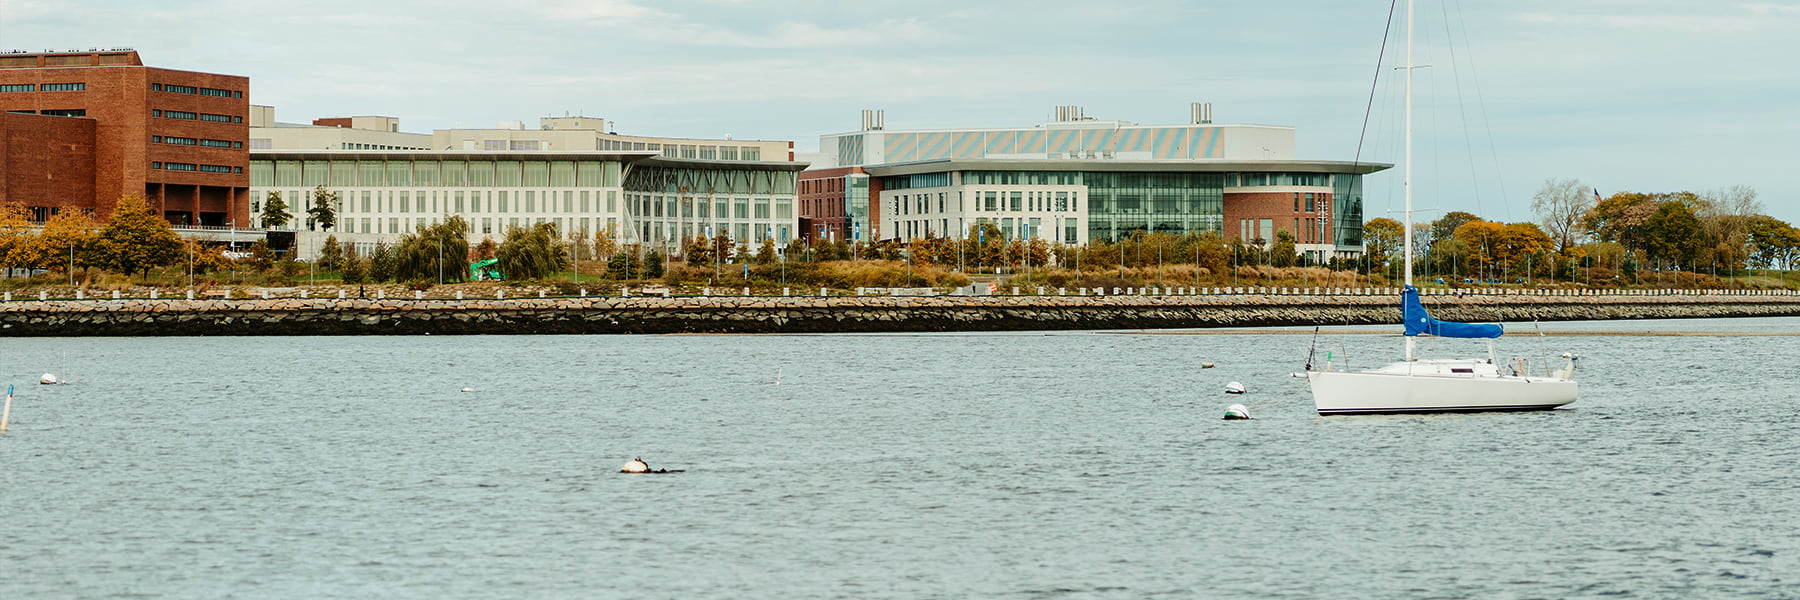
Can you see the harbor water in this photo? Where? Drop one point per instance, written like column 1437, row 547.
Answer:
column 1060, row 465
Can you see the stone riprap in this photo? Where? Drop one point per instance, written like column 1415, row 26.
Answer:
column 731, row 314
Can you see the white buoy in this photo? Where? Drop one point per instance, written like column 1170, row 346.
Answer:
column 47, row 379
column 468, row 389
column 778, row 371
column 636, row 465
column 1234, row 388
column 1237, row 412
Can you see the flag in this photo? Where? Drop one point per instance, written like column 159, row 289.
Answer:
column 1596, row 195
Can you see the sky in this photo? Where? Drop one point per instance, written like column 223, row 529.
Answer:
column 1623, row 95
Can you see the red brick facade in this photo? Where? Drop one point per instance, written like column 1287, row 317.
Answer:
column 47, row 158
column 821, row 197
column 1307, row 215
column 178, row 138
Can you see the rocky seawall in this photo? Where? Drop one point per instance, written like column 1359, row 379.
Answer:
column 842, row 314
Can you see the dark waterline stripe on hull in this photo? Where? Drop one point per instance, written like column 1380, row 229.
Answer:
column 1446, row 409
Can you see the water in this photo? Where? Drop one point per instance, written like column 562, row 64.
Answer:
column 1070, row 465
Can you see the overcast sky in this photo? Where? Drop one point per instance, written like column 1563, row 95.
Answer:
column 1640, row 95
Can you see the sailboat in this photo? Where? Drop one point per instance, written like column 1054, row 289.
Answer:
column 1416, row 385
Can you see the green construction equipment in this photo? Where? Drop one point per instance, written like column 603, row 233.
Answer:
column 487, row 269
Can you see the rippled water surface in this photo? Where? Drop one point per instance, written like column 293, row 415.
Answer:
column 1068, row 465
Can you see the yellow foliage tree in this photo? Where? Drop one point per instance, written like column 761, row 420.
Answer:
column 65, row 238
column 135, row 239
column 16, row 235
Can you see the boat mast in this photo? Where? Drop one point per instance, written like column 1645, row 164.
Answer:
column 1406, row 174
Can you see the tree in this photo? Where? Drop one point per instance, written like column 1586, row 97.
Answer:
column 698, row 251
column 353, row 270
column 1672, row 233
column 1498, row 248
column 653, row 264
column 381, row 264
column 275, row 212
column 1773, row 242
column 1382, row 239
column 16, row 235
column 331, row 256
column 261, row 256
column 135, row 239
column 1560, row 206
column 1620, row 218
column 1445, row 227
column 531, row 252
column 624, row 265
column 323, row 212
column 766, row 254
column 1281, row 253
column 605, row 243
column 434, row 252
column 67, row 232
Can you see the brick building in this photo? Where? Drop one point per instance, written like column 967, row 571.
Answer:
column 86, row 128
column 835, row 204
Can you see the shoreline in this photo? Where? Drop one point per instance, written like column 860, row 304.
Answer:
column 832, row 314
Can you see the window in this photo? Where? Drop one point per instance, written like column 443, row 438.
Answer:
column 180, row 167
column 68, row 112
column 750, row 153
column 215, row 169
column 176, row 114
column 18, row 87
column 216, row 93
column 215, row 118
column 216, row 143
column 62, row 87
column 156, row 165
column 179, row 141
column 180, row 89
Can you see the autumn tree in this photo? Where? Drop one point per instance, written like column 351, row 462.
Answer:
column 16, row 235
column 323, row 211
column 699, row 251
column 275, row 212
column 1620, row 218
column 65, row 238
column 1382, row 239
column 135, row 239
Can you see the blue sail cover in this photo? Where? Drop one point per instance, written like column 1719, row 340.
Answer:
column 1418, row 321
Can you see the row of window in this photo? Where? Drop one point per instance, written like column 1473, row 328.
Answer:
column 355, row 146
column 688, row 208
column 175, row 166
column 48, row 87
column 1313, row 202
column 695, row 151
column 189, row 116
column 187, row 141
column 66, row 112
column 200, row 91
column 459, row 202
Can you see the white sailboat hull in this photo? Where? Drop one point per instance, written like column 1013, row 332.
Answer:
column 1398, row 389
